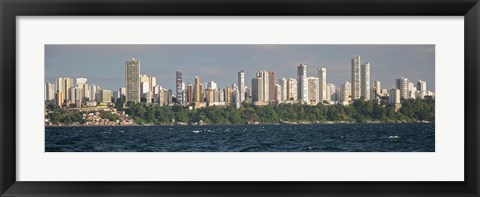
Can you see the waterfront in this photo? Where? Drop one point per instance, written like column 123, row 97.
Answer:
column 388, row 137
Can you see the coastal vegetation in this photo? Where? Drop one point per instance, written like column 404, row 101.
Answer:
column 412, row 110
column 361, row 111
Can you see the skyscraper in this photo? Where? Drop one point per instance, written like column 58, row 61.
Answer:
column 257, row 89
column 86, row 91
column 377, row 88
column 356, row 86
column 241, row 85
column 189, row 93
column 283, row 86
column 67, row 84
column 365, row 82
column 313, row 96
column 422, row 89
column 49, row 91
column 302, row 83
column 292, row 89
column 132, row 80
column 402, row 85
column 278, row 93
column 265, row 77
column 322, row 77
column 271, row 86
column 60, row 89
column 346, row 89
column 331, row 92
column 197, row 91
column 179, row 87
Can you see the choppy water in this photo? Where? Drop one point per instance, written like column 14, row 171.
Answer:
column 244, row 138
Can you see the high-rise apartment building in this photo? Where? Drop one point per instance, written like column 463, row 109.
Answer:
column 271, row 86
column 346, row 89
column 189, row 93
column 197, row 92
column 365, row 81
column 49, row 91
column 179, row 87
column 377, row 88
column 313, row 95
column 292, row 89
column 210, row 97
column 241, row 85
column 132, row 80
column 283, row 89
column 93, row 92
column 331, row 92
column 86, row 91
column 265, row 82
column 402, row 85
column 322, row 77
column 356, row 81
column 278, row 93
column 257, row 89
column 302, row 85
column 68, row 84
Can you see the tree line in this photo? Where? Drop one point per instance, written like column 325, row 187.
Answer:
column 412, row 110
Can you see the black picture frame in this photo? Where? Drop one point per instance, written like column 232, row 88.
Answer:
column 9, row 9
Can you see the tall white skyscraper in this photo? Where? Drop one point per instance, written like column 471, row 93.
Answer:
column 49, row 91
column 283, row 87
column 356, row 81
column 365, row 82
column 377, row 88
column 132, row 80
column 322, row 77
column 68, row 84
column 278, row 93
column 422, row 89
column 93, row 92
column 402, row 85
column 264, row 75
column 346, row 89
column 313, row 95
column 241, row 85
column 411, row 90
column 302, row 83
column 179, row 86
column 331, row 92
column 292, row 89
column 86, row 91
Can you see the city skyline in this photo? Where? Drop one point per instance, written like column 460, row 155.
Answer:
column 97, row 62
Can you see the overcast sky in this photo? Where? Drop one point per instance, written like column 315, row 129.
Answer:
column 104, row 65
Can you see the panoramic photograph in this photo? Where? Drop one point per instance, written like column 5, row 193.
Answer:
column 239, row 98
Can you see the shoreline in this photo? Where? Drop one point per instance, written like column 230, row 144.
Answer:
column 260, row 124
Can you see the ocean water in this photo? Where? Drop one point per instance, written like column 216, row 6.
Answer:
column 405, row 137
